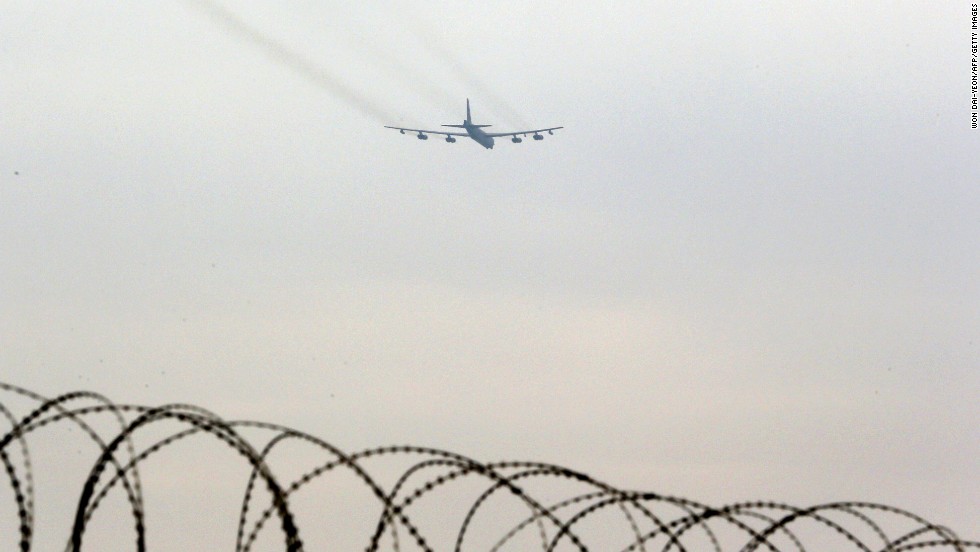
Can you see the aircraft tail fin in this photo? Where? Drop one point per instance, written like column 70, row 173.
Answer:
column 469, row 119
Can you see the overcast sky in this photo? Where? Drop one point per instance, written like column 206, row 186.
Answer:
column 748, row 267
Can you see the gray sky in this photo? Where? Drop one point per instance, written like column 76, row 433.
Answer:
column 747, row 268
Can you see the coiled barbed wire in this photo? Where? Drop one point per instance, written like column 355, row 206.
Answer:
column 647, row 521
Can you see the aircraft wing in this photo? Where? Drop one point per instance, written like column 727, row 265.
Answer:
column 523, row 132
column 423, row 131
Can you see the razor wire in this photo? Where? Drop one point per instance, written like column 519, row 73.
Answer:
column 430, row 478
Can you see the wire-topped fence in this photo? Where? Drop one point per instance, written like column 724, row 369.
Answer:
column 408, row 498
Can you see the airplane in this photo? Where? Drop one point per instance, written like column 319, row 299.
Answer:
column 476, row 132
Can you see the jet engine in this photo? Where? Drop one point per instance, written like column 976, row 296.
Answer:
column 450, row 139
column 516, row 140
column 538, row 137
column 422, row 136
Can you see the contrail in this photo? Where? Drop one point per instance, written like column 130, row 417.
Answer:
column 303, row 66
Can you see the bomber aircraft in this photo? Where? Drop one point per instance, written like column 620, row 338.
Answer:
column 476, row 132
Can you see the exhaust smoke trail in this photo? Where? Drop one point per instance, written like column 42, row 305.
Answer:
column 424, row 34
column 407, row 76
column 315, row 74
column 483, row 90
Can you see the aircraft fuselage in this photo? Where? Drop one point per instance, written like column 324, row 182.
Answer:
column 477, row 134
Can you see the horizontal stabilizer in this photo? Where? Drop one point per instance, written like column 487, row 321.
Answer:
column 455, row 126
